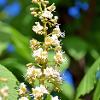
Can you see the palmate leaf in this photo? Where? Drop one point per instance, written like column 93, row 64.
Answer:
column 11, row 82
column 97, row 92
column 89, row 80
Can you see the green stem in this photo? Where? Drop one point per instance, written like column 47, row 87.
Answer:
column 40, row 7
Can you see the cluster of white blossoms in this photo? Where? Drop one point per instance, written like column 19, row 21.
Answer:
column 52, row 75
column 41, row 72
column 33, row 73
column 40, row 55
column 38, row 28
column 38, row 92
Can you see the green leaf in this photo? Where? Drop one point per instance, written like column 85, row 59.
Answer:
column 94, row 53
column 48, row 97
column 96, row 95
column 2, row 47
column 67, row 90
column 88, row 82
column 76, row 47
column 63, row 66
column 20, row 42
column 11, row 83
column 15, row 67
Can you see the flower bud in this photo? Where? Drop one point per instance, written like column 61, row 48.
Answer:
column 51, row 8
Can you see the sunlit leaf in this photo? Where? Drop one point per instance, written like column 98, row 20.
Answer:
column 97, row 92
column 15, row 67
column 11, row 82
column 88, row 82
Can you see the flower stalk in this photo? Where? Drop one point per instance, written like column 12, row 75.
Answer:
column 46, row 75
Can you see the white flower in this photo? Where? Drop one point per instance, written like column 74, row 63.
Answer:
column 23, row 98
column 4, row 91
column 59, row 57
column 38, row 28
column 48, row 41
column 35, row 1
column 39, row 91
column 34, row 44
column 37, row 53
column 22, row 89
column 55, row 98
column 44, row 55
column 47, row 14
column 52, row 40
column 54, row 20
column 0, row 98
column 40, row 55
column 58, row 32
column 33, row 11
column 33, row 73
column 56, row 42
column 50, row 72
column 56, row 17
